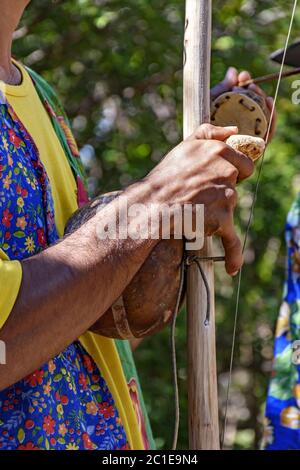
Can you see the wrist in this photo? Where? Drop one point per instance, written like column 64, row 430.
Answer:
column 151, row 195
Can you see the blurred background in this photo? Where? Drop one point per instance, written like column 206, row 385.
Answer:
column 118, row 69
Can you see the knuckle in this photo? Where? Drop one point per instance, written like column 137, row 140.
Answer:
column 219, row 147
column 189, row 147
column 230, row 172
column 234, row 173
column 231, row 197
column 205, row 131
column 213, row 227
column 206, row 127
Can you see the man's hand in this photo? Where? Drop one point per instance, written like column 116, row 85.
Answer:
column 68, row 287
column 204, row 170
column 232, row 80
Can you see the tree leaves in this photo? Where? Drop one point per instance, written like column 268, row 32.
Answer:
column 118, row 68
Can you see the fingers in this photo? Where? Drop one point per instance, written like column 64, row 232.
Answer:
column 256, row 89
column 230, row 80
column 232, row 246
column 243, row 76
column 222, row 224
column 241, row 162
column 210, row 132
column 270, row 103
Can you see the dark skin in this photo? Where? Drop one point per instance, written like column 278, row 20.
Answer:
column 76, row 280
column 67, row 288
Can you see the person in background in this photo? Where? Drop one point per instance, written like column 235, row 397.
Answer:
column 282, row 415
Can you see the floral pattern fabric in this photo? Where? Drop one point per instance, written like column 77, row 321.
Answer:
column 65, row 405
column 27, row 213
column 282, row 417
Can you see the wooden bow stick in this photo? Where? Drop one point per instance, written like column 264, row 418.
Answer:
column 202, row 376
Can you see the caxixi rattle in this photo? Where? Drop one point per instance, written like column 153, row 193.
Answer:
column 248, row 111
column 148, row 303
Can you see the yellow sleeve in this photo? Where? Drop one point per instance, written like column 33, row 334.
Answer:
column 10, row 281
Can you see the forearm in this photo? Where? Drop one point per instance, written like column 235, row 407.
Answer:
column 67, row 288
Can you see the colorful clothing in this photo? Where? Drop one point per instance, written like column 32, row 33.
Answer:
column 26, row 203
column 40, row 187
column 67, row 394
column 65, row 405
column 282, row 417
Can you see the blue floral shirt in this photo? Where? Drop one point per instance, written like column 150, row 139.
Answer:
column 65, row 404
column 282, row 417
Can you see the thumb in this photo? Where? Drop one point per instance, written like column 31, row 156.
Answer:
column 210, row 132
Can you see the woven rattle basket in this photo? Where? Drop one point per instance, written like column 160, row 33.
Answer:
column 147, row 304
column 242, row 108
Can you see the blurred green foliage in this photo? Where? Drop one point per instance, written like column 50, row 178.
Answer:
column 118, row 68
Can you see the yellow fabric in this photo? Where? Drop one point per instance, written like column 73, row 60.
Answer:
column 29, row 109
column 106, row 356
column 10, row 281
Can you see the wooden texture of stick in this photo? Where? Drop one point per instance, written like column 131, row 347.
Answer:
column 270, row 77
column 202, row 376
